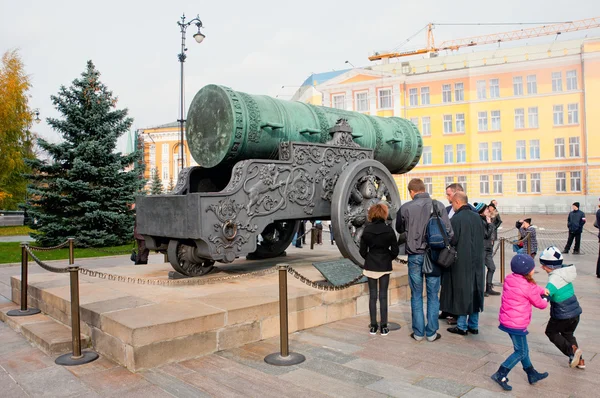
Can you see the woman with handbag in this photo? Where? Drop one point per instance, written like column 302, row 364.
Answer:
column 379, row 248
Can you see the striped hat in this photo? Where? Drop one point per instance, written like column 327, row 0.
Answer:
column 479, row 207
column 551, row 257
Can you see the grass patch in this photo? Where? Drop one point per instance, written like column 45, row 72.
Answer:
column 15, row 230
column 10, row 252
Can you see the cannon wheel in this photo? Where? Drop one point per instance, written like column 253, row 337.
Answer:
column 276, row 236
column 183, row 261
column 362, row 184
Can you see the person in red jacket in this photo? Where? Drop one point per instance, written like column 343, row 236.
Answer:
column 519, row 293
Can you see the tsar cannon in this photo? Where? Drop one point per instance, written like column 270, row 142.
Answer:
column 264, row 165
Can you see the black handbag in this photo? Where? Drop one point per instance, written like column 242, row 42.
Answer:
column 430, row 267
column 133, row 256
column 447, row 256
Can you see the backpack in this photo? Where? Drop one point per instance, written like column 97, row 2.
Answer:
column 435, row 231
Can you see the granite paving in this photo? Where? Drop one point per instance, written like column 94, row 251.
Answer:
column 342, row 358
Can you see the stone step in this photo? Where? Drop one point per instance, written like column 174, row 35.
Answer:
column 47, row 334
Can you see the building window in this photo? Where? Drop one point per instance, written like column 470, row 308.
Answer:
column 556, row 82
column 573, row 113
column 574, row 147
column 385, row 98
column 448, row 154
column 496, row 151
column 447, row 124
column 165, row 171
column 494, row 88
column 561, row 182
column 497, row 183
column 484, row 185
column 426, row 121
column 339, row 101
column 462, row 180
column 519, row 118
column 559, row 147
column 460, row 122
column 495, row 120
column 446, row 93
column 531, row 84
column 415, row 121
column 532, row 115
column 459, row 92
column 448, row 180
column 428, row 185
column 482, row 121
column 518, row 85
column 413, row 97
column 152, row 156
column 480, row 89
column 426, row 155
column 362, row 101
column 521, row 183
column 483, row 152
column 424, row 95
column 576, row 181
column 558, row 115
column 536, row 182
column 534, row 149
column 461, row 153
column 571, row 80
column 521, row 150
column 165, row 152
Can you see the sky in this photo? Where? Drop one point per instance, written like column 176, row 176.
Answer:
column 260, row 47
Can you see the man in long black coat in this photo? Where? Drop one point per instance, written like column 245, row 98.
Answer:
column 463, row 285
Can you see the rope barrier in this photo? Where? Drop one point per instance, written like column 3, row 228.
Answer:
column 46, row 249
column 44, row 265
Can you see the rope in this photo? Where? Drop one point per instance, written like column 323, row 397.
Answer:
column 44, row 265
column 45, row 249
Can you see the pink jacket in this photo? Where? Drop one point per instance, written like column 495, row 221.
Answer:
column 518, row 295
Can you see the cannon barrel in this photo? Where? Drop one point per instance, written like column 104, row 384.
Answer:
column 225, row 126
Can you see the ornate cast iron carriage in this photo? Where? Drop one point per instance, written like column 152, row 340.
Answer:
column 266, row 164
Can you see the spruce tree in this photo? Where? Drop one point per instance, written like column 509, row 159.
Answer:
column 85, row 191
column 157, row 186
column 171, row 186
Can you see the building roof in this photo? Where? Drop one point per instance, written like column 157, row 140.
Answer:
column 318, row 78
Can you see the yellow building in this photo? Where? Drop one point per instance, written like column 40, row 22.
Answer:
column 518, row 125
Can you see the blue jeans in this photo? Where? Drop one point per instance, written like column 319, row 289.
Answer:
column 415, row 280
column 521, row 353
column 473, row 321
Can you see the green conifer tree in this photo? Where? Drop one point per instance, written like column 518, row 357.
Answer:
column 157, row 186
column 171, row 186
column 84, row 191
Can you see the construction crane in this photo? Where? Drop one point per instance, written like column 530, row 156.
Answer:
column 527, row 33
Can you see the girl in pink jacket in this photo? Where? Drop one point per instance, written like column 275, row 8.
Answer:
column 519, row 293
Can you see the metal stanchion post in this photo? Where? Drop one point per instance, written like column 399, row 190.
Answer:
column 284, row 357
column 71, row 251
column 502, row 259
column 77, row 357
column 23, row 311
column 312, row 238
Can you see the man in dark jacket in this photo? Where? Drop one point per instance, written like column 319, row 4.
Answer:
column 412, row 219
column 463, row 284
column 575, row 223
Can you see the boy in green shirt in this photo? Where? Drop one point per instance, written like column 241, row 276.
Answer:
column 564, row 307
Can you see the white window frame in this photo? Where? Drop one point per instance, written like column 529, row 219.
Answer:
column 446, row 93
column 497, row 151
column 484, row 185
column 447, row 119
column 152, row 151
column 427, row 156
column 498, row 188
column 571, row 80
column 531, row 84
column 428, row 181
column 573, row 113
column 534, row 149
column 459, row 92
column 484, row 152
column 415, row 121
column 519, row 118
column 535, row 182
column 338, row 101
column 425, row 99
column 460, row 122
column 575, row 177
column 481, row 89
column 518, row 86
column 461, row 153
column 561, row 181
column 521, row 183
column 559, row 148
column 426, row 126
column 574, row 150
column 448, row 154
column 521, row 149
column 361, row 101
column 558, row 116
column 462, row 180
column 482, row 121
column 413, row 97
column 557, row 82
column 494, row 88
column 532, row 117
column 496, row 120
column 384, row 97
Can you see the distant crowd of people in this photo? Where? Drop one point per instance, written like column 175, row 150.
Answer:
column 458, row 289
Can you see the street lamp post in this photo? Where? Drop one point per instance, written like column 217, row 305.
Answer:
column 198, row 36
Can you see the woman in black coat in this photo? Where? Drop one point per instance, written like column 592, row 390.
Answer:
column 378, row 246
